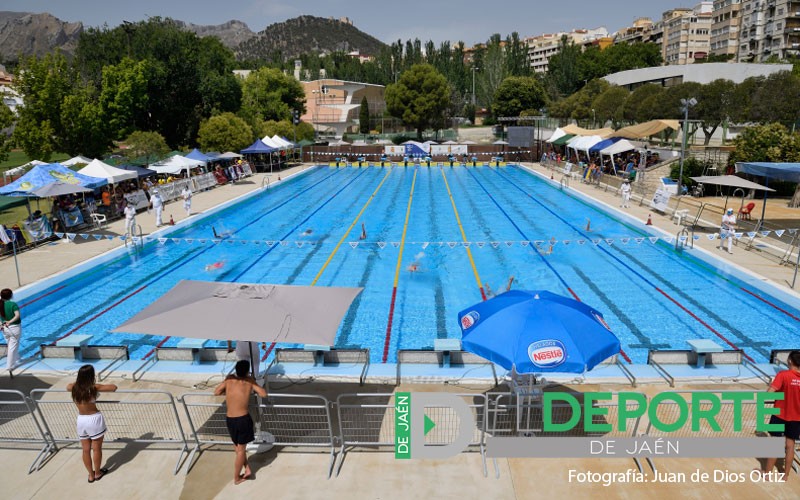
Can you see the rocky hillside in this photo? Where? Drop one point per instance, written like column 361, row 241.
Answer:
column 308, row 34
column 231, row 34
column 23, row 33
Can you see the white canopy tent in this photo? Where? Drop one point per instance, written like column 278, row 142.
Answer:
column 113, row 175
column 176, row 165
column 76, row 160
column 584, row 143
column 228, row 155
column 618, row 147
column 557, row 134
column 283, row 142
column 269, row 141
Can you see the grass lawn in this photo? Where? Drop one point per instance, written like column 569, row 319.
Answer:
column 17, row 157
column 15, row 215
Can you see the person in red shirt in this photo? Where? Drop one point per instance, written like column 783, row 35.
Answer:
column 787, row 382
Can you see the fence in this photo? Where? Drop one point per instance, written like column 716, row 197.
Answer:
column 134, row 416
column 726, row 418
column 18, row 425
column 294, row 420
column 513, row 414
column 367, row 420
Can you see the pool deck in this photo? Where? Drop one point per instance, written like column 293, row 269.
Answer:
column 143, row 473
column 139, row 472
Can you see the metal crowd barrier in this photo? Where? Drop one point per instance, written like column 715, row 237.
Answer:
column 367, row 420
column 510, row 414
column 18, row 425
column 295, row 420
column 131, row 416
column 669, row 411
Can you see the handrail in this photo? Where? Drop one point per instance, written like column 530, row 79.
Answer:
column 683, row 232
column 133, row 238
column 663, row 372
column 743, row 197
column 564, row 182
column 265, row 180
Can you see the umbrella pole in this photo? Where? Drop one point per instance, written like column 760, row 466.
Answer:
column 16, row 263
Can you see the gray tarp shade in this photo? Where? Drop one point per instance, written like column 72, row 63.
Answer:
column 259, row 313
column 730, row 181
column 59, row 189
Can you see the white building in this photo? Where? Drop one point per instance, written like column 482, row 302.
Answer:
column 541, row 48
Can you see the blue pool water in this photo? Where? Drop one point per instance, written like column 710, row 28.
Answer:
column 652, row 297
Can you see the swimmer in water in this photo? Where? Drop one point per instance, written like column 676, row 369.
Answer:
column 588, row 225
column 490, row 293
column 307, row 232
column 216, row 265
column 223, row 234
column 414, row 266
column 363, row 232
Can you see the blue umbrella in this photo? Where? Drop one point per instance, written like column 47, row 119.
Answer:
column 537, row 331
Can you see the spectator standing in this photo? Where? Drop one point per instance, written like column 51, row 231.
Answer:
column 237, row 390
column 787, row 382
column 11, row 325
column 91, row 424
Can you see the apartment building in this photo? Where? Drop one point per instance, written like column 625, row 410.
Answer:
column 639, row 32
column 541, row 48
column 687, row 34
column 769, row 28
column 725, row 28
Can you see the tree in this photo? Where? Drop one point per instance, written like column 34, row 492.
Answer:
column 123, row 96
column 517, row 94
column 149, row 146
column 6, row 120
column 43, row 83
column 768, row 143
column 632, row 111
column 608, row 106
column 224, row 132
column 419, row 98
column 563, row 69
column 363, row 116
column 777, row 100
column 84, row 130
column 268, row 94
column 713, row 103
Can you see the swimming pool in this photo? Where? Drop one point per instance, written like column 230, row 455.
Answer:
column 467, row 228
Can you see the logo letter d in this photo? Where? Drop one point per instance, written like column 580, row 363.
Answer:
column 466, row 427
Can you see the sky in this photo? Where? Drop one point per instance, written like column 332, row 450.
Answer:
column 470, row 21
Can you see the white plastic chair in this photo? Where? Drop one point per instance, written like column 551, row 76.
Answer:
column 99, row 220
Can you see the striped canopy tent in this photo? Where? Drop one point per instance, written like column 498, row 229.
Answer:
column 563, row 140
column 557, row 134
column 604, row 144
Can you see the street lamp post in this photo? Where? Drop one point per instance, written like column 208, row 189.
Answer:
column 686, row 103
column 594, row 119
column 474, row 69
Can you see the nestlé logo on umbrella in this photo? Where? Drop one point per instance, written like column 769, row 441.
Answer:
column 547, row 353
column 469, row 319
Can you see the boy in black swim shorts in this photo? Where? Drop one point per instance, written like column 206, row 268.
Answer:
column 237, row 390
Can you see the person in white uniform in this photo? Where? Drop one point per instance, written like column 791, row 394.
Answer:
column 187, row 200
column 728, row 230
column 130, row 218
column 158, row 205
column 625, row 189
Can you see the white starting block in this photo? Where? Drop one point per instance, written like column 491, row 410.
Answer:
column 703, row 347
column 196, row 345
column 319, row 352
column 76, row 342
column 446, row 346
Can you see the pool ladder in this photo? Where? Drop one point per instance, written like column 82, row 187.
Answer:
column 136, row 241
column 564, row 182
column 265, row 182
column 684, row 233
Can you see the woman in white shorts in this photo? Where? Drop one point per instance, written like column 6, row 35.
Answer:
column 91, row 425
